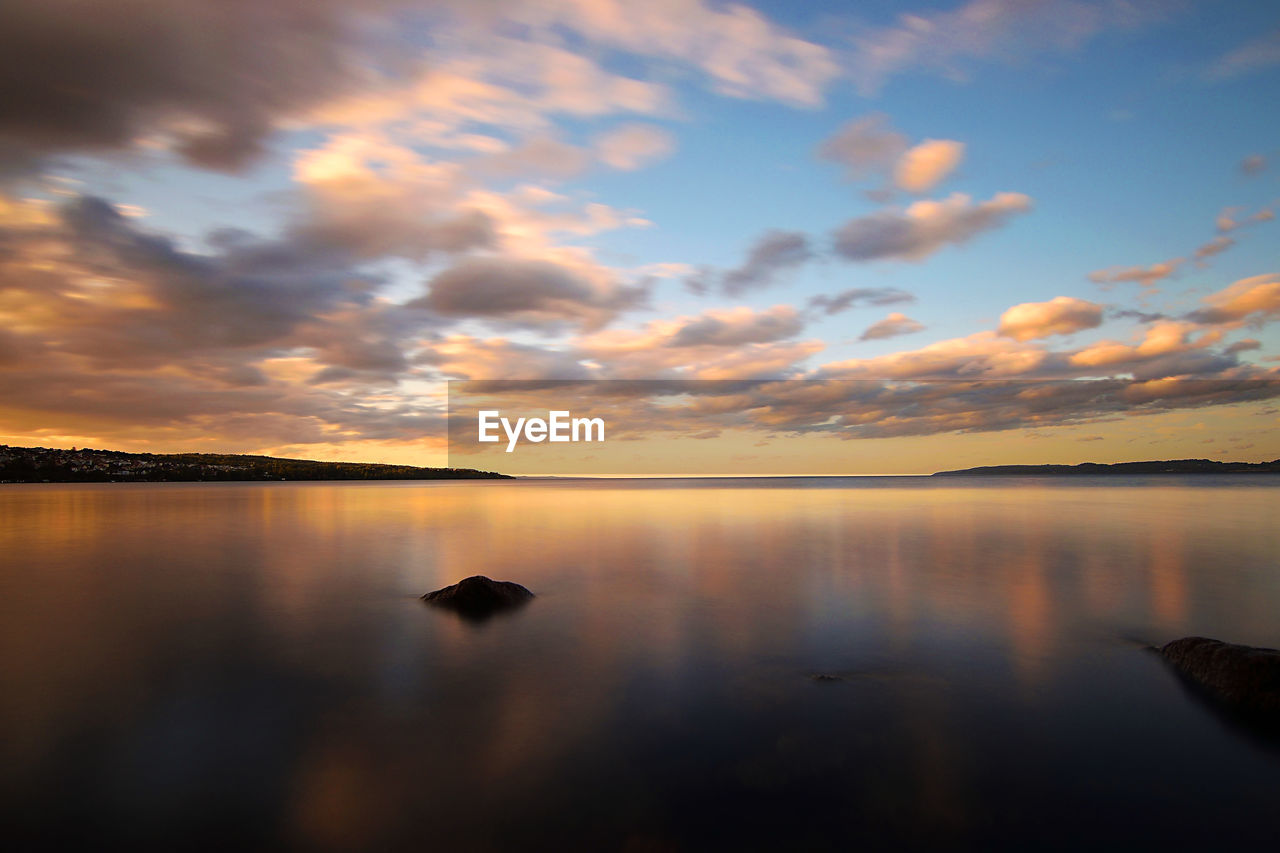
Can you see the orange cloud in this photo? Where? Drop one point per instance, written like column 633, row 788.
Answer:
column 1256, row 298
column 1161, row 339
column 1145, row 276
column 634, row 146
column 981, row 355
column 890, row 327
column 1061, row 315
column 924, row 166
column 710, row 345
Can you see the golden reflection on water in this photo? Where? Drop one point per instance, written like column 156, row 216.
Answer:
column 111, row 595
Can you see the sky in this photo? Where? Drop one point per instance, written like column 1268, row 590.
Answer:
column 282, row 226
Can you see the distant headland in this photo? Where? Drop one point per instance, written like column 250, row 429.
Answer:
column 52, row 465
column 1091, row 469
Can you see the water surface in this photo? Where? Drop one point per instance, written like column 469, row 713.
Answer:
column 753, row 664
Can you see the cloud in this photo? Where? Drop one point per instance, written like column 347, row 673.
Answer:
column 864, row 146
column 527, row 292
column 1161, row 353
column 844, row 300
column 891, row 327
column 863, row 408
column 1146, row 276
column 869, row 146
column 1229, row 219
column 291, row 340
column 466, row 357
column 125, row 294
column 1061, row 315
column 1254, row 164
column 1005, row 30
column 186, row 409
column 1167, row 349
column 1140, row 316
column 14, row 347
column 981, row 355
column 773, row 253
column 213, row 81
column 738, row 326
column 925, row 165
column 634, row 146
column 251, row 340
column 1215, row 246
column 925, row 227
column 1245, row 345
column 542, row 156
column 709, row 345
column 362, row 194
column 1250, row 299
column 476, row 82
column 745, row 54
column 212, row 78
column 1249, row 58
column 722, row 327
column 371, row 198
column 753, row 361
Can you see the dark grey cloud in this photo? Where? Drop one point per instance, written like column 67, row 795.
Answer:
column 727, row 331
column 370, row 231
column 924, row 227
column 527, row 292
column 1140, row 316
column 214, row 75
column 908, row 234
column 249, row 293
column 844, row 300
column 864, row 146
column 1245, row 345
column 362, row 357
column 701, row 281
column 773, row 253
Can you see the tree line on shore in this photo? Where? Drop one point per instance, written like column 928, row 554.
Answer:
column 55, row 465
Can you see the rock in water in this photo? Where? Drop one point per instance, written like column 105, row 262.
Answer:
column 1243, row 677
column 478, row 597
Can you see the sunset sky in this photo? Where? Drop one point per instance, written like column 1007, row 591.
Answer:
column 278, row 226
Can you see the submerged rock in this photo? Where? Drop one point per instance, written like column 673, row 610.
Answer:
column 1245, row 678
column 478, row 597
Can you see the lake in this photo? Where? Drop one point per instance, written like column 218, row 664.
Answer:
column 743, row 664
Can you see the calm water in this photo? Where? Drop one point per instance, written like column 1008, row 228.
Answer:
column 246, row 666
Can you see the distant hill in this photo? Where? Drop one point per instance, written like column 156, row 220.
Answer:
column 1173, row 466
column 50, row 465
